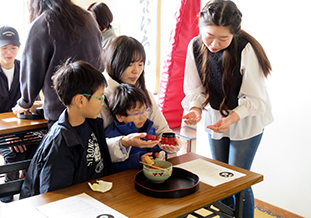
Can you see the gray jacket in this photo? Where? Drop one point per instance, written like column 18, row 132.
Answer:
column 42, row 54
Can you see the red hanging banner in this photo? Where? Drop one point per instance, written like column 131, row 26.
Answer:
column 172, row 76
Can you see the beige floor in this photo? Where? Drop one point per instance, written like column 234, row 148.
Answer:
column 260, row 214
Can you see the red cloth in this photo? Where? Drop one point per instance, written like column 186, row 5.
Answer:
column 172, row 77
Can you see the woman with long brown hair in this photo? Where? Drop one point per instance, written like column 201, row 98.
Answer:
column 125, row 59
column 225, row 75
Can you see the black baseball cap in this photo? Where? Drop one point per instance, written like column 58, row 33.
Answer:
column 9, row 36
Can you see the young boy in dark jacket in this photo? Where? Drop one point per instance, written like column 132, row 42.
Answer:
column 75, row 149
column 130, row 107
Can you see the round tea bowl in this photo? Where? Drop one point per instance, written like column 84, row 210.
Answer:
column 157, row 175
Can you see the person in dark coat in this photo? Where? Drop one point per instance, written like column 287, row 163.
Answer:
column 59, row 30
column 75, row 149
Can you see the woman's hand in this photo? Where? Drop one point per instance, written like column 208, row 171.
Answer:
column 223, row 124
column 134, row 139
column 171, row 148
column 18, row 109
column 193, row 117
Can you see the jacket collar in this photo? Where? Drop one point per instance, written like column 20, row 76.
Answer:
column 69, row 134
column 128, row 128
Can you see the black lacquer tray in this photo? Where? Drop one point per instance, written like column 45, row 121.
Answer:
column 30, row 116
column 181, row 183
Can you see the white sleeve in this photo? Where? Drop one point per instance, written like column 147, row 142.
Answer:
column 193, row 87
column 118, row 152
column 252, row 96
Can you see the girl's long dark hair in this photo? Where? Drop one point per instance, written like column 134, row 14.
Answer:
column 102, row 13
column 62, row 16
column 120, row 53
column 226, row 14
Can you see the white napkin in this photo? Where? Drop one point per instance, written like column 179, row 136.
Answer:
column 101, row 186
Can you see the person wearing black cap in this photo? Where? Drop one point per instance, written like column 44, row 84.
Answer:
column 9, row 86
column 9, row 94
column 102, row 14
column 9, row 71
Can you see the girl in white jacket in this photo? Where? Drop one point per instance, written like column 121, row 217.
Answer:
column 224, row 84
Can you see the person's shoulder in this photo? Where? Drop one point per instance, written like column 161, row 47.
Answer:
column 109, row 129
column 38, row 22
column 149, row 122
column 110, row 33
column 55, row 129
column 38, row 27
column 52, row 137
column 17, row 62
column 97, row 123
column 90, row 21
column 242, row 42
column 192, row 41
column 99, row 120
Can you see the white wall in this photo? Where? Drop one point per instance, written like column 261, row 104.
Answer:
column 284, row 154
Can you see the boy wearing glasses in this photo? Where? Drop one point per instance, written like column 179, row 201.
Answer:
column 75, row 149
column 129, row 106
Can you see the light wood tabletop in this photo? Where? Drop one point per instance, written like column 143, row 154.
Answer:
column 124, row 198
column 9, row 123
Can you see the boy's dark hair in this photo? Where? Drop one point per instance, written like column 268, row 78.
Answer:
column 126, row 97
column 77, row 78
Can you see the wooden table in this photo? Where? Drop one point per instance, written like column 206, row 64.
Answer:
column 124, row 198
column 11, row 126
column 9, row 123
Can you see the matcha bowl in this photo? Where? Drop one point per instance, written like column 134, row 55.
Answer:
column 158, row 175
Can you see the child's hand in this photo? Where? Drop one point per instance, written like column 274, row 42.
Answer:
column 134, row 140
column 142, row 157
